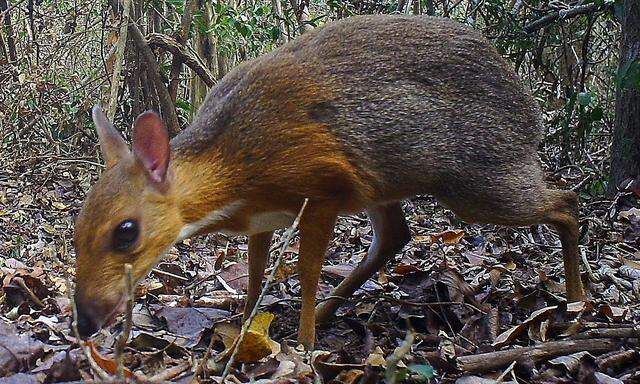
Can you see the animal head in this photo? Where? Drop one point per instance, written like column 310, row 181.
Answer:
column 129, row 217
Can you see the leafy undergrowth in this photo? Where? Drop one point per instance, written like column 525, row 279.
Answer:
column 465, row 304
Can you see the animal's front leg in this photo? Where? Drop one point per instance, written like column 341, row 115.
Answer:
column 316, row 231
column 258, row 256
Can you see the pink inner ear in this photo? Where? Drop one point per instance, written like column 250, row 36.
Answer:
column 151, row 145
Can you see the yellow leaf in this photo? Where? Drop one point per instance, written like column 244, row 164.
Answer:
column 59, row 205
column 256, row 343
column 376, row 358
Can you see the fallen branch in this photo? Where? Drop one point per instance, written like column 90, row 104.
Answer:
column 180, row 52
column 495, row 360
column 617, row 360
column 562, row 15
column 621, row 333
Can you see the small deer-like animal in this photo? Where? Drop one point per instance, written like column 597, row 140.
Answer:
column 356, row 116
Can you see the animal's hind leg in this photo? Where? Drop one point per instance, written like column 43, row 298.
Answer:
column 391, row 233
column 522, row 201
column 563, row 215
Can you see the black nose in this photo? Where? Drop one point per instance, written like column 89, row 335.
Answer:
column 86, row 325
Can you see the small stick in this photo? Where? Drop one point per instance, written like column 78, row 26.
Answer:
column 398, row 354
column 169, row 373
column 169, row 274
column 265, row 287
column 99, row 372
column 126, row 330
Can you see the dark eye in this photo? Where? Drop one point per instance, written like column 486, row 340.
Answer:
column 125, row 235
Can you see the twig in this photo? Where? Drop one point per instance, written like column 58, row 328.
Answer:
column 169, row 373
column 99, row 372
column 126, row 330
column 169, row 274
column 398, row 354
column 245, row 326
column 119, row 60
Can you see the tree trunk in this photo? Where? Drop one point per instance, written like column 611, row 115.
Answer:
column 625, row 152
column 206, row 49
column 181, row 36
column 12, row 55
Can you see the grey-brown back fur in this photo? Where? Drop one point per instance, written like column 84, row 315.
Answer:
column 425, row 104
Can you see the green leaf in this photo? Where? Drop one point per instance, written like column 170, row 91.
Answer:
column 184, row 105
column 175, row 3
column 598, row 188
column 584, row 98
column 275, row 33
column 424, row 370
column 597, row 114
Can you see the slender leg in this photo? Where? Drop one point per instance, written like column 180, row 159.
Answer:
column 564, row 219
column 316, row 231
column 258, row 256
column 390, row 235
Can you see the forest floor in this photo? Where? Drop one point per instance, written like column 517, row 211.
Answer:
column 461, row 303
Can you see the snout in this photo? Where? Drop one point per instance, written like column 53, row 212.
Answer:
column 94, row 315
column 87, row 322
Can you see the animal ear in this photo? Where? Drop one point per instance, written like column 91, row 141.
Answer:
column 151, row 145
column 112, row 145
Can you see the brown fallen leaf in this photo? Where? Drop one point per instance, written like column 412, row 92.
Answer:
column 534, row 320
column 448, row 237
column 108, row 365
column 405, row 269
column 351, row 376
column 613, row 313
column 16, row 350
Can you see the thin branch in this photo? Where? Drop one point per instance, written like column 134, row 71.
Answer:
column 398, row 354
column 180, row 52
column 562, row 15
